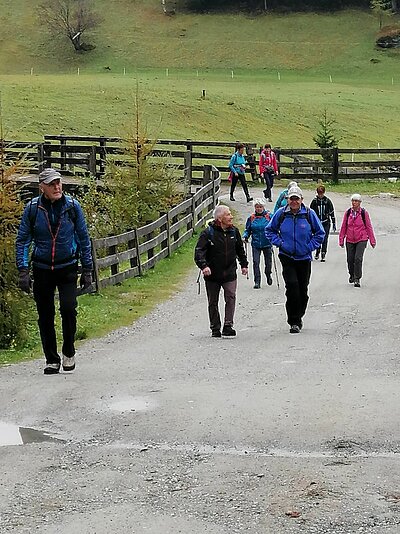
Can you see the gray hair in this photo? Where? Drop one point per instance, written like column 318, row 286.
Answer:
column 259, row 202
column 219, row 210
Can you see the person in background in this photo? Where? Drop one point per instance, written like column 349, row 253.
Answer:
column 323, row 207
column 55, row 224
column 282, row 199
column 296, row 231
column 217, row 249
column 355, row 231
column 268, row 169
column 237, row 166
column 260, row 244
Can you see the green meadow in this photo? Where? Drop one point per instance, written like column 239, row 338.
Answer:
column 265, row 77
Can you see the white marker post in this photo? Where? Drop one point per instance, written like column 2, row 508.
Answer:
column 330, row 78
column 232, row 74
column 31, row 71
column 166, row 73
column 279, row 76
column 124, row 71
column 379, row 147
column 79, row 71
column 392, row 81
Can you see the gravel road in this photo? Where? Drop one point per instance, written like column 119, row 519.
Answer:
column 163, row 429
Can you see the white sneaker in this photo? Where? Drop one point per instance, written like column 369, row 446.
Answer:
column 68, row 363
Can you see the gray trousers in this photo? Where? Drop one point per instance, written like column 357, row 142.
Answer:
column 355, row 253
column 213, row 289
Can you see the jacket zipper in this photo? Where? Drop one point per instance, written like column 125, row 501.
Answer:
column 53, row 237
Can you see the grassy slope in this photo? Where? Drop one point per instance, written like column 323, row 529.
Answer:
column 304, row 48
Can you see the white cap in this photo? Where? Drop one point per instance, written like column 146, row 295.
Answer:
column 295, row 191
column 356, row 196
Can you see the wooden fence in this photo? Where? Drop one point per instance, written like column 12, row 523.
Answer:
column 88, row 155
column 123, row 256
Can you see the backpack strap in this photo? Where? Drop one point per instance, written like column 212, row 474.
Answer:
column 362, row 217
column 33, row 211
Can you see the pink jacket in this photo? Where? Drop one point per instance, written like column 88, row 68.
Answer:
column 267, row 160
column 354, row 229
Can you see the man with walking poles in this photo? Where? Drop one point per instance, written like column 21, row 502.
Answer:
column 297, row 232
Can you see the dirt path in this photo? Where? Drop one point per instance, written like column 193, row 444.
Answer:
column 165, row 430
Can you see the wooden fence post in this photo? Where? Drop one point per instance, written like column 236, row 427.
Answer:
column 187, row 173
column 207, row 174
column 169, row 233
column 95, row 266
column 335, row 165
column 139, row 262
column 40, row 156
column 62, row 153
column 111, row 252
column 103, row 142
column 92, row 161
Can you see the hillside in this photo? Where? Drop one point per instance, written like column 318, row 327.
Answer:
column 135, row 34
column 286, row 71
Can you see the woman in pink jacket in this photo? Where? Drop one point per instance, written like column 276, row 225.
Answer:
column 268, row 169
column 356, row 229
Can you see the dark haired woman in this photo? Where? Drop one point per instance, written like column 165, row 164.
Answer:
column 268, row 169
column 237, row 166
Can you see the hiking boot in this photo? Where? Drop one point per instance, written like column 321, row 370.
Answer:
column 323, row 256
column 216, row 333
column 357, row 282
column 269, row 279
column 249, row 199
column 228, row 331
column 256, row 286
column 68, row 364
column 351, row 280
column 270, row 200
column 51, row 369
column 317, row 255
column 295, row 329
column 231, row 198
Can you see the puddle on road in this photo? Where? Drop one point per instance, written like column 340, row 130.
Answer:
column 132, row 404
column 18, row 435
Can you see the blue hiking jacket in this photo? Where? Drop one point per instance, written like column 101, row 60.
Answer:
column 255, row 227
column 281, row 200
column 293, row 234
column 236, row 162
column 56, row 244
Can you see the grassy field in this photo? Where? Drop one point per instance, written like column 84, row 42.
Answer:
column 200, row 52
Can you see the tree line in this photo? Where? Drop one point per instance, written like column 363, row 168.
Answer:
column 283, row 5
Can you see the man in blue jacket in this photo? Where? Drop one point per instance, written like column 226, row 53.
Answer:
column 54, row 223
column 297, row 232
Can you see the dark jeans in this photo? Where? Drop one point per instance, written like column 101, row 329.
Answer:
column 256, row 262
column 213, row 288
column 324, row 246
column 297, row 277
column 242, row 179
column 45, row 282
column 355, row 253
column 269, row 182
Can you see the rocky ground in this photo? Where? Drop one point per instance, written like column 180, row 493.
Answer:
column 162, row 429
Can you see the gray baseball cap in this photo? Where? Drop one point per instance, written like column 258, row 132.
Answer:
column 49, row 175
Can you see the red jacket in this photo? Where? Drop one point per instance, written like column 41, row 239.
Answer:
column 354, row 229
column 268, row 160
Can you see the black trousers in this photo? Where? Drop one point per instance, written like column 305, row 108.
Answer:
column 242, row 179
column 45, row 282
column 355, row 255
column 269, row 182
column 296, row 274
column 324, row 246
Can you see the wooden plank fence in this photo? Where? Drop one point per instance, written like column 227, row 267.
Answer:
column 88, row 155
column 124, row 256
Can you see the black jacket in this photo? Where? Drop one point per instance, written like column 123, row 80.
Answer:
column 324, row 209
column 218, row 250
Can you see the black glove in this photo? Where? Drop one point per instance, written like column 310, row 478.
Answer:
column 86, row 279
column 25, row 282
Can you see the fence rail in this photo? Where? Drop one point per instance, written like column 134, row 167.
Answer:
column 88, row 155
column 117, row 258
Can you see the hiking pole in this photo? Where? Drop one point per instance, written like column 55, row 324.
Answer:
column 198, row 283
column 275, row 269
column 245, row 249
